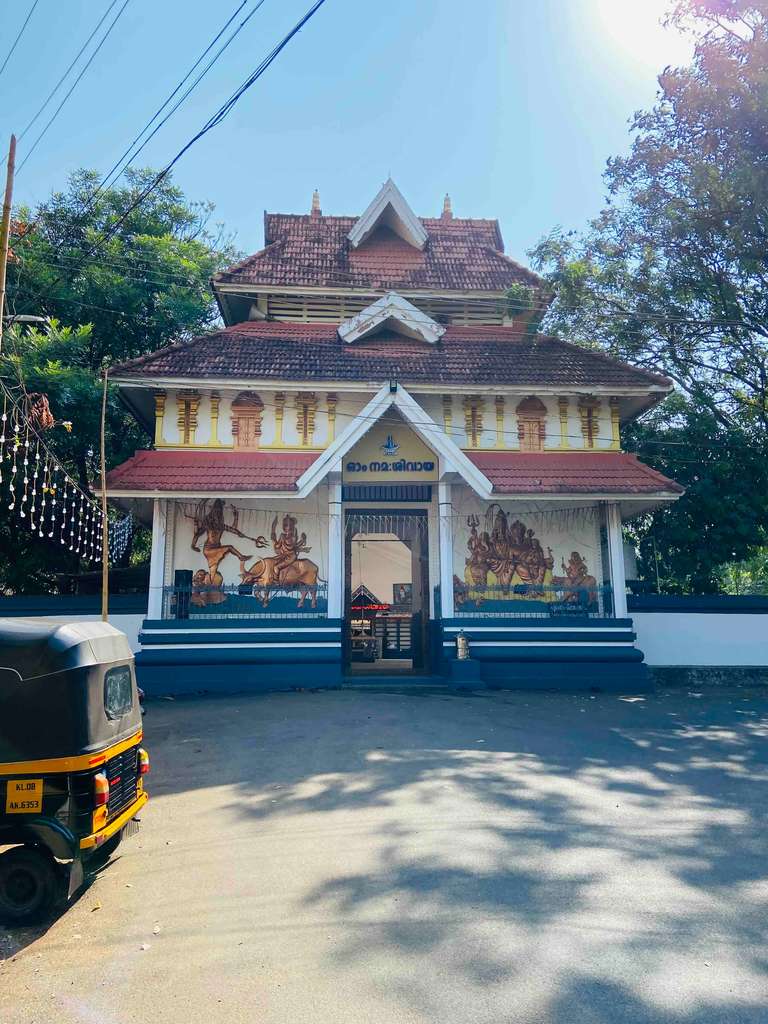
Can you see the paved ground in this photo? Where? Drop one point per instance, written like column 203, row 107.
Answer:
column 347, row 858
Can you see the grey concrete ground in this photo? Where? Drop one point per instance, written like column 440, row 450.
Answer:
column 345, row 858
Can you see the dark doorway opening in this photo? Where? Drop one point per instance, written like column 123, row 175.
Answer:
column 386, row 594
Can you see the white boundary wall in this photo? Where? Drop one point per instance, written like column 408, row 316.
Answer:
column 128, row 624
column 702, row 638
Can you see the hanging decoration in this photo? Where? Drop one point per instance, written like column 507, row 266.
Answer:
column 120, row 535
column 34, row 485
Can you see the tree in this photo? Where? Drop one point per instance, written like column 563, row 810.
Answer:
column 146, row 288
column 720, row 519
column 673, row 274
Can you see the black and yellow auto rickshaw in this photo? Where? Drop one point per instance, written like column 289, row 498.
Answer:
column 71, row 761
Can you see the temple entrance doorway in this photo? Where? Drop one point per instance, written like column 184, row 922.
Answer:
column 386, row 592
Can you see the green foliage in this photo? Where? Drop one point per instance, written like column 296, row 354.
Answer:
column 149, row 286
column 673, row 275
column 674, row 272
column 747, row 577
column 721, row 518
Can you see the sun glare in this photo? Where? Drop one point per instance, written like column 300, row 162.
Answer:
column 633, row 29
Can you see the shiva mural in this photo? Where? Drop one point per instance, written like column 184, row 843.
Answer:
column 285, row 576
column 506, row 561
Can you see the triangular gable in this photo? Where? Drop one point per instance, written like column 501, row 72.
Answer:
column 389, row 209
column 391, row 312
column 453, row 459
column 363, row 596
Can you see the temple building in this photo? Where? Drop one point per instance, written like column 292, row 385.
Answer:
column 377, row 453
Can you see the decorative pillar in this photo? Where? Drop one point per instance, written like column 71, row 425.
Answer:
column 448, row 414
column 615, row 426
column 616, row 558
column 562, row 408
column 589, row 411
column 215, row 403
column 335, row 549
column 500, row 421
column 279, row 413
column 159, row 415
column 187, row 404
column 306, row 407
column 473, row 420
column 157, row 559
column 445, row 528
column 332, row 401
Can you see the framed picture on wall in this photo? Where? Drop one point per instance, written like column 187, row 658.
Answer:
column 402, row 593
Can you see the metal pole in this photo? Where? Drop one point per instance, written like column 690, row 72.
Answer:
column 5, row 227
column 105, row 522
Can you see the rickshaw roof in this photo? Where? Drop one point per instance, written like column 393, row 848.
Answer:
column 38, row 647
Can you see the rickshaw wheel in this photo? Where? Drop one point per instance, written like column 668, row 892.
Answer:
column 29, row 885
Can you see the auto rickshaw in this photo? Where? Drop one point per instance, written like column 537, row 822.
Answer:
column 71, row 762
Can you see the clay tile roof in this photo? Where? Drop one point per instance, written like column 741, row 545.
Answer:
column 510, row 472
column 266, row 350
column 460, row 255
column 571, row 473
column 210, row 472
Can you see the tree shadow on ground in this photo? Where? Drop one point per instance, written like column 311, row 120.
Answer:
column 536, row 857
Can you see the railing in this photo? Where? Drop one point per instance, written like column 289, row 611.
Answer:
column 245, row 601
column 531, row 600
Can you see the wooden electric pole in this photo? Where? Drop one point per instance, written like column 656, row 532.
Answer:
column 5, row 228
column 104, row 520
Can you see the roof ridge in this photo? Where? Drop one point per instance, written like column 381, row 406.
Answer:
column 175, row 346
column 606, row 357
column 248, row 259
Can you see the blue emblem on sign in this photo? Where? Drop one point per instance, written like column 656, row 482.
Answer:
column 390, row 447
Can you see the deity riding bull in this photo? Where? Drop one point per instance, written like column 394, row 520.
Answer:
column 285, row 570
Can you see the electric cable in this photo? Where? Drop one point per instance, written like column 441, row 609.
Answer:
column 71, row 89
column 15, row 42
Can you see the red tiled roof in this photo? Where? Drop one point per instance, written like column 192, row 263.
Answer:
column 267, row 350
column 571, row 473
column 509, row 472
column 305, row 250
column 210, row 472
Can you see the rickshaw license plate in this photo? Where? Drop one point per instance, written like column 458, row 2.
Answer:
column 24, row 796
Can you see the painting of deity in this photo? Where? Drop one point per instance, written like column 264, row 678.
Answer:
column 506, row 561
column 285, row 577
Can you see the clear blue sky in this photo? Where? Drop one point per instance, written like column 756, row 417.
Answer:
column 512, row 107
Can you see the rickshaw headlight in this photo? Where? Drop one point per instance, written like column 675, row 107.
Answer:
column 100, row 789
column 143, row 761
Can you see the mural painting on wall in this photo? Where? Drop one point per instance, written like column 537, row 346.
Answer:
column 507, row 562
column 284, row 579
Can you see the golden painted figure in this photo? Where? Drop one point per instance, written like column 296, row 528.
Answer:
column 289, row 545
column 211, row 522
column 580, row 586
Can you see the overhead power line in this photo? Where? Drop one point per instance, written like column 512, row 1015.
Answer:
column 72, row 63
column 15, row 42
column 83, row 70
column 211, row 123
column 130, row 154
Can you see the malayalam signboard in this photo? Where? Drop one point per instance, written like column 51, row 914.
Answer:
column 390, row 453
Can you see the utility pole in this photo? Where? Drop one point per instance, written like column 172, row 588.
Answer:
column 5, row 227
column 104, row 520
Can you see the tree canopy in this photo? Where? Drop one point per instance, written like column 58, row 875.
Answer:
column 673, row 275
column 148, row 286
